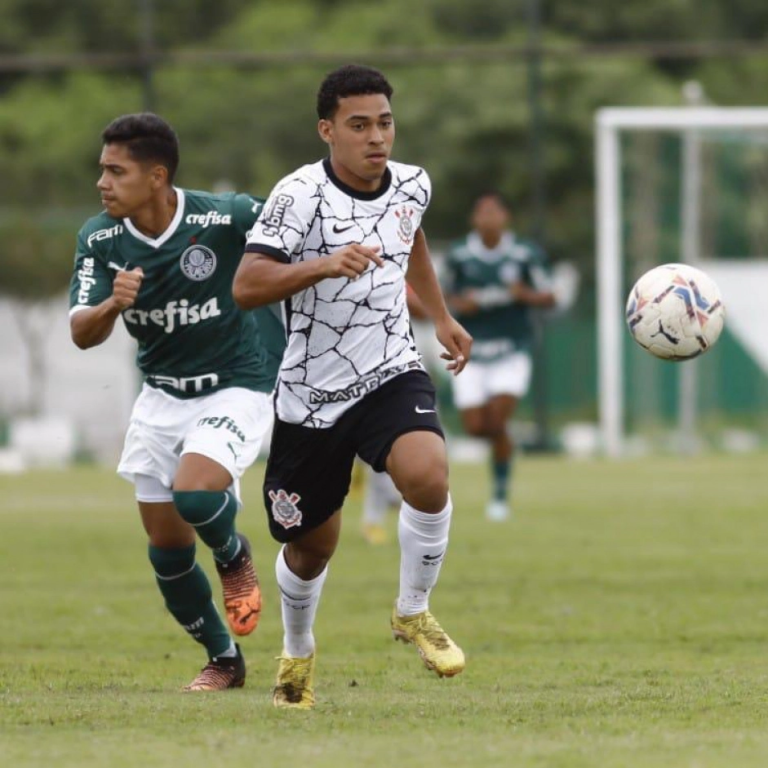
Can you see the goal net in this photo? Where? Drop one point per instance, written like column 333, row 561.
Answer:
column 683, row 185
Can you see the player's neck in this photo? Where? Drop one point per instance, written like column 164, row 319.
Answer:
column 353, row 181
column 491, row 240
column 156, row 216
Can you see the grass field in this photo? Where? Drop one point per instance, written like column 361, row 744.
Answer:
column 620, row 620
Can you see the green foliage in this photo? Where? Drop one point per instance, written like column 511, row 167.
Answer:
column 618, row 621
column 486, row 21
column 49, row 146
column 47, row 26
column 662, row 20
column 49, row 136
column 36, row 256
column 467, row 122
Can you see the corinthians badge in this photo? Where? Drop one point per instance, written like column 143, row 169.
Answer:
column 405, row 230
column 284, row 509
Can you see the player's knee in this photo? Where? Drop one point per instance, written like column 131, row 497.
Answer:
column 475, row 428
column 199, row 507
column 497, row 430
column 170, row 562
column 308, row 560
column 426, row 491
column 427, row 468
column 190, row 504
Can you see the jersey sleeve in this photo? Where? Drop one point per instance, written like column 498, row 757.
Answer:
column 245, row 211
column 284, row 222
column 91, row 281
column 450, row 272
column 537, row 268
column 422, row 190
column 428, row 189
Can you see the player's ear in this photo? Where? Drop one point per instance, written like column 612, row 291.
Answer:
column 159, row 176
column 325, row 129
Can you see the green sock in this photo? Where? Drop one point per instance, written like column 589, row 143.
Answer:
column 212, row 515
column 500, row 472
column 188, row 597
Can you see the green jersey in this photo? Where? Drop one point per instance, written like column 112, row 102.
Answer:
column 192, row 338
column 273, row 337
column 500, row 326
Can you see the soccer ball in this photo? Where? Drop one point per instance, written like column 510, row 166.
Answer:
column 675, row 312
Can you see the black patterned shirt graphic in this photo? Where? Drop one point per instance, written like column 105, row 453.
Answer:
column 346, row 337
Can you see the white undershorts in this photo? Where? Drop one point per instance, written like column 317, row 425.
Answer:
column 480, row 381
column 226, row 426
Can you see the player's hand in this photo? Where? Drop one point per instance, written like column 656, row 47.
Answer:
column 465, row 303
column 125, row 287
column 520, row 292
column 457, row 342
column 352, row 260
column 565, row 285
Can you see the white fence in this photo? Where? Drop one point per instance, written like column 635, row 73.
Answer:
column 86, row 395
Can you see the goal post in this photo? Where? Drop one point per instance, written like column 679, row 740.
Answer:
column 612, row 124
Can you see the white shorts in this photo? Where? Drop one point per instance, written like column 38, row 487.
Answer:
column 479, row 382
column 227, row 426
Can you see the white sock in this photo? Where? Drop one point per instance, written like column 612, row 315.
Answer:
column 299, row 600
column 423, row 543
column 380, row 494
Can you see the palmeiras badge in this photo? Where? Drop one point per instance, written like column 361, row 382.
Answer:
column 284, row 508
column 405, row 230
column 198, row 262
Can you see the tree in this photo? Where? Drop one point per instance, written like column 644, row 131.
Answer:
column 467, row 122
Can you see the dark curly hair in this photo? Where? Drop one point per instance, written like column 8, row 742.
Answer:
column 349, row 80
column 148, row 139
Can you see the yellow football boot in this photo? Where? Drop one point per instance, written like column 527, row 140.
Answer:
column 294, row 685
column 375, row 534
column 438, row 652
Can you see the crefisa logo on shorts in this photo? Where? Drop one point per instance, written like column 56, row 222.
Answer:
column 198, row 262
column 284, row 508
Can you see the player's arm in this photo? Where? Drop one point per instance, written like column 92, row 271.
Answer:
column 465, row 303
column 520, row 292
column 263, row 279
column 422, row 278
column 535, row 289
column 461, row 302
column 526, row 294
column 266, row 274
column 415, row 305
column 92, row 325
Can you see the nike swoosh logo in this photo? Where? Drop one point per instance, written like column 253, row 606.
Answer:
column 424, row 410
column 112, row 265
column 338, row 230
column 434, row 557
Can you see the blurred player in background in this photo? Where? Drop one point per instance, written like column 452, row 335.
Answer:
column 379, row 497
column 163, row 258
column 339, row 238
column 380, row 494
column 492, row 281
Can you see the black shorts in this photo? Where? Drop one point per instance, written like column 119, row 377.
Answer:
column 309, row 470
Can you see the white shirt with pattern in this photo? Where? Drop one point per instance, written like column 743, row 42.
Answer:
column 346, row 337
